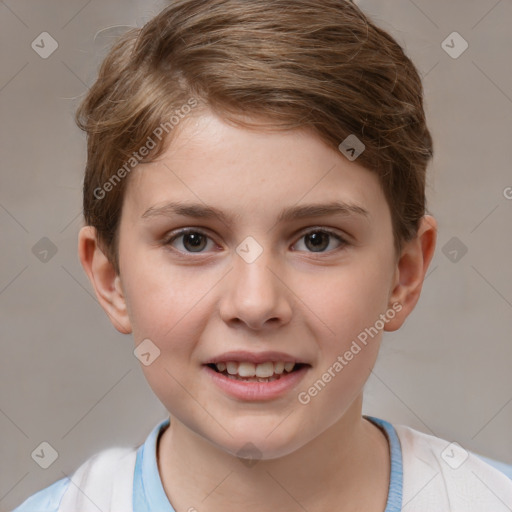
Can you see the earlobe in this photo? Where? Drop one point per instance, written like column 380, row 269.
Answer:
column 411, row 270
column 102, row 275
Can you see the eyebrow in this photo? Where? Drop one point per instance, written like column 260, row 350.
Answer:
column 197, row 210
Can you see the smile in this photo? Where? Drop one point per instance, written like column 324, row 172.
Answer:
column 262, row 372
column 263, row 381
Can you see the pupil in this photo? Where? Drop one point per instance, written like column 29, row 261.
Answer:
column 194, row 239
column 318, row 239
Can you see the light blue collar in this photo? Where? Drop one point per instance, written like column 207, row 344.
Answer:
column 149, row 494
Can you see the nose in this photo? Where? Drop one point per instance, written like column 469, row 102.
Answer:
column 256, row 293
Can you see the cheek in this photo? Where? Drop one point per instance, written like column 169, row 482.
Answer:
column 348, row 306
column 162, row 298
column 346, row 300
column 169, row 306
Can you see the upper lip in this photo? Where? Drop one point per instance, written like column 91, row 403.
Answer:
column 253, row 357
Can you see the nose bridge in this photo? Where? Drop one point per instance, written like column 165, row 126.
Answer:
column 255, row 294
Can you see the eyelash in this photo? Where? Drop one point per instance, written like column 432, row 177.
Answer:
column 174, row 236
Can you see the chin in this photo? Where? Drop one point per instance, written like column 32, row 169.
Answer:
column 256, row 444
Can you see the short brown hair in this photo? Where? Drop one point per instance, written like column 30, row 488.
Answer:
column 317, row 64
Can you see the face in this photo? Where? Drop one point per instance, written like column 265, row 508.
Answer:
column 304, row 285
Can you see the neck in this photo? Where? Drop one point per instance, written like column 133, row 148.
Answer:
column 327, row 473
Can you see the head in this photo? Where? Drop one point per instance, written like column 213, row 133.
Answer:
column 240, row 107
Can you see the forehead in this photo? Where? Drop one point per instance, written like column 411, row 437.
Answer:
column 256, row 170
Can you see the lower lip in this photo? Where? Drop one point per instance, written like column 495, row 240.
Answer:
column 257, row 390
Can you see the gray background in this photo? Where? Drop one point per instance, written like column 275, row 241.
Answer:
column 70, row 379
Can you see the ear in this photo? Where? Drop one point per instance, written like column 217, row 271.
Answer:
column 102, row 275
column 410, row 271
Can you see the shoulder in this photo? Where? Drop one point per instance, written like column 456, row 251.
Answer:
column 45, row 500
column 506, row 469
column 437, row 473
column 104, row 479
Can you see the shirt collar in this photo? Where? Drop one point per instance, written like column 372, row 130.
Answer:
column 149, row 494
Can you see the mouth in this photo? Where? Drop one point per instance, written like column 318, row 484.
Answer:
column 262, row 372
column 256, row 382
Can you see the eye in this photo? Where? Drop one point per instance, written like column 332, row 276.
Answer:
column 318, row 239
column 194, row 240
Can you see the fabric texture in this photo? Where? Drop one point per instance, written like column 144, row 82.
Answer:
column 427, row 474
column 442, row 476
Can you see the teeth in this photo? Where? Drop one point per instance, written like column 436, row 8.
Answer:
column 289, row 366
column 279, row 367
column 254, row 379
column 260, row 371
column 246, row 369
column 232, row 367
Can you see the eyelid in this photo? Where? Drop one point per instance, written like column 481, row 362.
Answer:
column 170, row 237
column 324, row 229
column 343, row 239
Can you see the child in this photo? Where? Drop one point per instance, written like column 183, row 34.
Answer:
column 261, row 128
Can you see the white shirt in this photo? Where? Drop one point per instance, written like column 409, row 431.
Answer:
column 428, row 474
